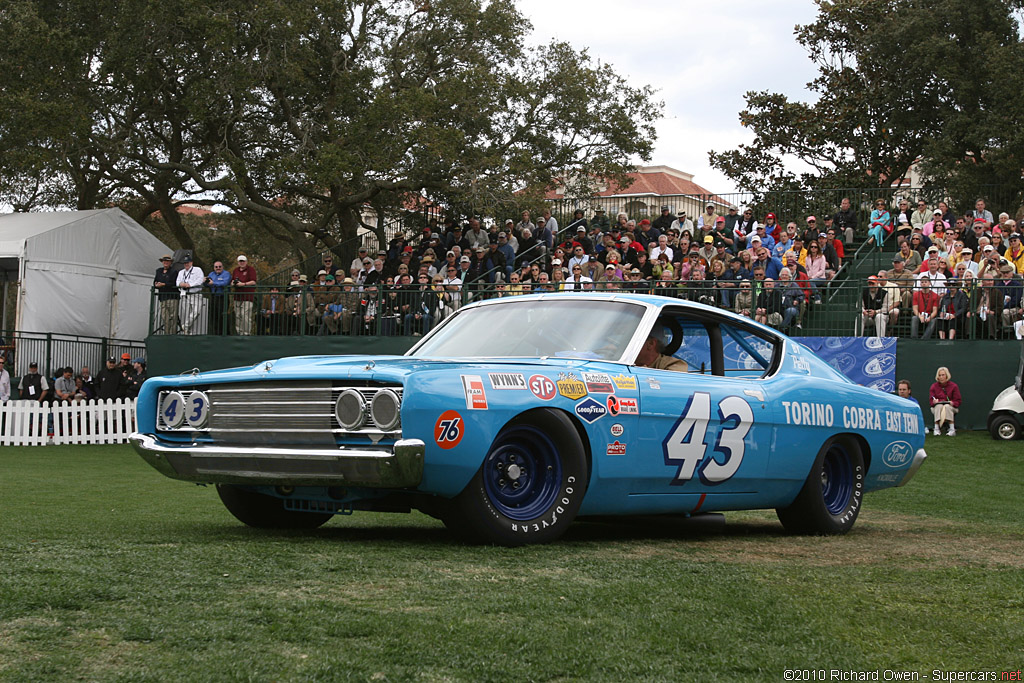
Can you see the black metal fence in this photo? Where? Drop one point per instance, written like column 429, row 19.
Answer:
column 804, row 308
column 54, row 351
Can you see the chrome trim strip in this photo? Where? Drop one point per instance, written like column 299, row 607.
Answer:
column 398, row 466
column 919, row 459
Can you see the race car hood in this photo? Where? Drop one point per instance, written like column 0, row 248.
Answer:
column 377, row 368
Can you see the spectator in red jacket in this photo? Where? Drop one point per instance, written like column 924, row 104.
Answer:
column 945, row 400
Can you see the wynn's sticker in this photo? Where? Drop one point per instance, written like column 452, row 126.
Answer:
column 625, row 382
column 473, row 386
column 507, row 380
column 571, row 387
column 448, row 429
column 616, row 448
column 599, row 382
column 622, row 406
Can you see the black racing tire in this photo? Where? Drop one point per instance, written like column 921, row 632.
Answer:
column 1004, row 428
column 830, row 500
column 266, row 512
column 528, row 488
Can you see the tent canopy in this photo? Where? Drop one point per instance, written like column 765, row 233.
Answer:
column 80, row 272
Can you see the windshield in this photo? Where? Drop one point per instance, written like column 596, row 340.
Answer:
column 567, row 327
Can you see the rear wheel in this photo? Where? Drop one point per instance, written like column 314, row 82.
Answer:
column 1005, row 428
column 830, row 499
column 529, row 487
column 266, row 512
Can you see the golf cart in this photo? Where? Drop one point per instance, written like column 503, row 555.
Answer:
column 1007, row 414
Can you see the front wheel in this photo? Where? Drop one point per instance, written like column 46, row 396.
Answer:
column 830, row 499
column 529, row 487
column 266, row 512
column 1005, row 428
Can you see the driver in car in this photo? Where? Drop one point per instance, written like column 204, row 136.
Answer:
column 651, row 355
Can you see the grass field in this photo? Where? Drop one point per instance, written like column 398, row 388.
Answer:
column 109, row 571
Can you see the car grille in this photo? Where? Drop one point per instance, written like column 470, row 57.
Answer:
column 262, row 413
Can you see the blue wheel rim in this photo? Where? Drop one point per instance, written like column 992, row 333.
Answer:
column 522, row 473
column 836, row 480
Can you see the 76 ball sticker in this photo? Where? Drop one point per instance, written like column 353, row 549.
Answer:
column 448, row 429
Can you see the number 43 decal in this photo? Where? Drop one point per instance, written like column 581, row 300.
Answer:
column 686, row 446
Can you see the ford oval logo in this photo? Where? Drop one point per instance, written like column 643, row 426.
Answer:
column 897, row 454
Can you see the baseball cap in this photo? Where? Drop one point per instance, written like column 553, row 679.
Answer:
column 755, row 238
column 770, row 215
column 821, row 234
column 502, row 235
column 581, row 229
column 872, row 278
column 34, row 364
column 126, row 356
column 708, row 239
column 624, row 240
column 321, row 272
column 936, row 212
column 450, row 253
column 898, row 259
column 988, row 247
column 635, row 271
column 933, row 248
column 241, row 257
column 509, row 221
column 407, row 250
column 187, row 258
column 664, row 207
column 812, row 219
column 556, row 262
column 1015, row 236
column 464, row 259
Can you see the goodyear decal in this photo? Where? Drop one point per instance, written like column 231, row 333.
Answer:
column 590, row 410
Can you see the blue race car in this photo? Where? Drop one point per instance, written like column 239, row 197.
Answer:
column 516, row 415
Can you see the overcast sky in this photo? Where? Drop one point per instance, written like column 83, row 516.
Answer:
column 750, row 46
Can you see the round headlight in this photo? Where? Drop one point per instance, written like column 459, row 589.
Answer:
column 385, row 409
column 350, row 409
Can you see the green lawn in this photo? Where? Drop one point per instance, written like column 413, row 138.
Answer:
column 109, row 571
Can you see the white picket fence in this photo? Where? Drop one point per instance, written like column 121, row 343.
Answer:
column 26, row 423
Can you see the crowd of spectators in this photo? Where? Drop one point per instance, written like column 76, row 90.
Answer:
column 952, row 275
column 120, row 378
column 948, row 272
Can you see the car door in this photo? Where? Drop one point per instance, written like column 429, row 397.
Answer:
column 709, row 430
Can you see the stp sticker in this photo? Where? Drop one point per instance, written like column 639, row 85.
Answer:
column 590, row 410
column 616, row 448
column 622, row 406
column 473, row 386
column 617, row 429
column 507, row 380
column 570, row 387
column 625, row 382
column 598, row 382
column 542, row 387
column 448, row 429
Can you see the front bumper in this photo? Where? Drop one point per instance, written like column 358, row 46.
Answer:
column 919, row 459
column 400, row 466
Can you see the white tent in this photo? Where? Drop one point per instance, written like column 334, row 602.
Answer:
column 81, row 272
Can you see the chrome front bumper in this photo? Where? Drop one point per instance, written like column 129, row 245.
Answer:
column 919, row 459
column 400, row 466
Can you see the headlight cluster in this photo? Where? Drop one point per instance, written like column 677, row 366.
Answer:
column 179, row 408
column 384, row 410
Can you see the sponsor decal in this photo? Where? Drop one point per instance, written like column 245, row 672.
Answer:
column 571, row 387
column 448, row 429
column 507, row 380
column 473, row 387
column 616, row 448
column 889, row 478
column 897, row 454
column 590, row 410
column 653, row 383
column 542, row 387
column 617, row 430
column 622, row 406
column 625, row 382
column 599, row 382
